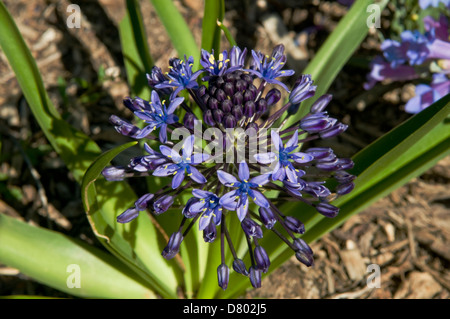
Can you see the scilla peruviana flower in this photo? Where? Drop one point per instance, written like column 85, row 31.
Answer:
column 231, row 175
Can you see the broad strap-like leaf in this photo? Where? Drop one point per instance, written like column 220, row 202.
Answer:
column 135, row 50
column 67, row 264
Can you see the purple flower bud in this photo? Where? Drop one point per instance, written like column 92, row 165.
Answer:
column 229, row 121
column 252, row 129
column 316, row 123
column 228, row 88
column 162, row 204
column 173, row 246
column 157, row 77
column 237, row 111
column 223, row 276
column 213, row 104
column 273, row 96
column 327, row 210
column 238, row 98
column 333, row 131
column 143, row 202
column 189, row 120
column 186, row 209
column 251, row 228
column 209, row 233
column 261, row 106
column 205, row 98
column 229, row 78
column 201, row 91
column 321, row 103
column 208, row 118
column 255, row 277
column 267, row 217
column 249, row 96
column 123, row 127
column 303, row 89
column 319, row 152
column 316, row 189
column 328, row 166
column 239, row 267
column 294, row 225
column 335, row 165
column 219, row 81
column 218, row 115
column 303, row 252
column 346, row 163
column 249, row 109
column 113, row 173
column 343, row 177
column 240, row 85
column 220, row 95
column 128, row 215
column 212, row 90
column 227, row 105
column 247, row 78
column 262, row 259
column 344, row 189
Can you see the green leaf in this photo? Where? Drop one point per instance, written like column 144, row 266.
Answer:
column 179, row 32
column 213, row 13
column 135, row 49
column 74, row 147
column 336, row 51
column 138, row 243
column 55, row 259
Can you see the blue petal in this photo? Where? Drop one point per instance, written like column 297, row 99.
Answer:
column 178, row 179
column 261, row 179
column 293, row 141
column 276, row 140
column 188, row 146
column 244, row 173
column 199, row 158
column 174, row 104
column 228, row 200
column 227, row 179
column 204, row 221
column 199, row 193
column 259, row 198
column 300, row 157
column 196, row 176
column 242, row 207
column 265, row 158
column 165, row 170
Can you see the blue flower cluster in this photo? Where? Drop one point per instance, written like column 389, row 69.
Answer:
column 417, row 55
column 239, row 105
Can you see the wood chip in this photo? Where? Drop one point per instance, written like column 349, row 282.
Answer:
column 418, row 285
column 353, row 261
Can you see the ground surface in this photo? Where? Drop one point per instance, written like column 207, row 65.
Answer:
column 407, row 233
